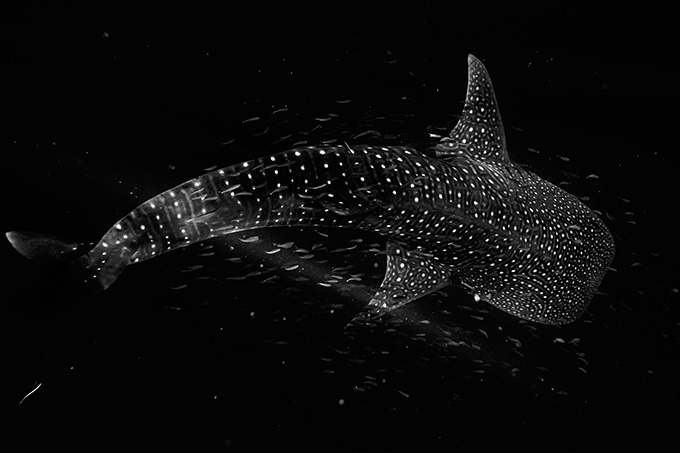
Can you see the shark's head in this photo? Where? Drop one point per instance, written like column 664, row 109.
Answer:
column 552, row 250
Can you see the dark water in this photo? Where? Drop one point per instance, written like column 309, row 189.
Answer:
column 223, row 345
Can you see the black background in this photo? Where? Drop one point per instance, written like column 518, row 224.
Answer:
column 107, row 106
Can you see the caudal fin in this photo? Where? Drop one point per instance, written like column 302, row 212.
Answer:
column 43, row 248
column 78, row 271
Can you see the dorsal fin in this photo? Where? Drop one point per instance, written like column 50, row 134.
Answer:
column 479, row 133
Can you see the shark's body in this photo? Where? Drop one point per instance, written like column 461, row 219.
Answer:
column 513, row 239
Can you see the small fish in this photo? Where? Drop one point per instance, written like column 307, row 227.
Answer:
column 253, row 274
column 278, row 189
column 30, row 393
column 231, row 188
column 344, row 249
column 517, row 343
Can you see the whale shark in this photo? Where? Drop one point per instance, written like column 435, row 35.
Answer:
column 464, row 214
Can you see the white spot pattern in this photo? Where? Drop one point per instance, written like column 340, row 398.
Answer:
column 515, row 240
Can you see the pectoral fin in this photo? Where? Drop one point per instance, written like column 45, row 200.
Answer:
column 409, row 276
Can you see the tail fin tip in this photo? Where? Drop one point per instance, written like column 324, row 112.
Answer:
column 40, row 247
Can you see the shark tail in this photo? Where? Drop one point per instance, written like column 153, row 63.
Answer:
column 42, row 248
column 75, row 267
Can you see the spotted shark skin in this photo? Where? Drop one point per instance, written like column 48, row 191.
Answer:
column 512, row 239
